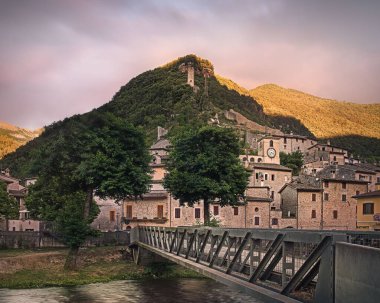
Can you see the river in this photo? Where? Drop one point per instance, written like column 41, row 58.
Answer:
column 147, row 291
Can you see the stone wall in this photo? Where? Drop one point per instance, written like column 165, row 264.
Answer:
column 305, row 209
column 346, row 211
column 289, row 202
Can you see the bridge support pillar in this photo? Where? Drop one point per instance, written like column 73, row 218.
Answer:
column 145, row 257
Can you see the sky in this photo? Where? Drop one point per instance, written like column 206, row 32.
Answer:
column 63, row 57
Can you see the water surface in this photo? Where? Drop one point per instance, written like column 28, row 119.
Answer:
column 152, row 291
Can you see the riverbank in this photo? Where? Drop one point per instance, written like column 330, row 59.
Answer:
column 25, row 268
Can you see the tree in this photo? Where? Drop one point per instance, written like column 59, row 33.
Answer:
column 8, row 205
column 293, row 161
column 204, row 165
column 109, row 159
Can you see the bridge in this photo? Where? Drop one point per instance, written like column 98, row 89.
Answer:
column 279, row 265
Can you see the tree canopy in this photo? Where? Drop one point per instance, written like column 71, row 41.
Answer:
column 204, row 165
column 8, row 205
column 293, row 161
column 109, row 159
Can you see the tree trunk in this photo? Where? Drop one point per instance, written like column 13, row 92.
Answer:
column 71, row 259
column 206, row 211
column 87, row 204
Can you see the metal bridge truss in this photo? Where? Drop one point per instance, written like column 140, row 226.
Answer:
column 294, row 263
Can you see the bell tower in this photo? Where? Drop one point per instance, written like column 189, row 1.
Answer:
column 269, row 149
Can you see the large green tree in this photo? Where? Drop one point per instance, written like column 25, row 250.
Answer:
column 293, row 160
column 109, row 159
column 8, row 205
column 204, row 165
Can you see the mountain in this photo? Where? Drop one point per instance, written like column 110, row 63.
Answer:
column 325, row 118
column 162, row 97
column 12, row 137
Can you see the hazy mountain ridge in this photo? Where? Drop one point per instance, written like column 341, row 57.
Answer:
column 325, row 118
column 12, row 137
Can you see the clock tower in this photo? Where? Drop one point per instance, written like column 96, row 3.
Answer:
column 269, row 149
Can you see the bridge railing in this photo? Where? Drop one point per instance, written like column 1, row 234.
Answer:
column 292, row 262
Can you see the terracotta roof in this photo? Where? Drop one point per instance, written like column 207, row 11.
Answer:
column 258, row 199
column 375, row 193
column 161, row 144
column 8, row 179
column 271, row 166
column 342, row 173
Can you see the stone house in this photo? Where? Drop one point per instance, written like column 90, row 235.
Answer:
column 290, row 143
column 302, row 201
column 19, row 192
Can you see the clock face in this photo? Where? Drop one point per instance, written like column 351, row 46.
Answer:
column 271, row 152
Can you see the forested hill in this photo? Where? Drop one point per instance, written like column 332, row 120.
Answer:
column 12, row 137
column 325, row 118
column 161, row 97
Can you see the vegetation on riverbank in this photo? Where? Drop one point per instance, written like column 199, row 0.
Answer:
column 25, row 268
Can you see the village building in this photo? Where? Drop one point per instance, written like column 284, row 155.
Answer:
column 290, row 143
column 340, row 183
column 19, row 192
column 368, row 215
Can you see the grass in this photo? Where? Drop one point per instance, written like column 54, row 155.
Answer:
column 44, row 268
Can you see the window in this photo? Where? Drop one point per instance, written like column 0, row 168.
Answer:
column 335, row 214
column 326, row 184
column 129, row 211
column 273, row 208
column 284, row 140
column 334, row 158
column 326, row 197
column 271, row 143
column 344, row 198
column 378, row 179
column 313, row 214
column 272, row 194
column 266, row 176
column 370, row 178
column 197, row 213
column 344, row 185
column 257, row 220
column 272, row 177
column 112, row 216
column 216, row 210
column 368, row 209
column 296, row 139
column 323, row 149
column 313, row 197
column 274, row 221
column 257, row 176
column 160, row 211
column 177, row 213
column 284, row 146
column 256, row 209
column 236, row 211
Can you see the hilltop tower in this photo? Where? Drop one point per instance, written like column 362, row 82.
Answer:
column 189, row 68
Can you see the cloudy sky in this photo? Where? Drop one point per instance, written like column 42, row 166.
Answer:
column 59, row 58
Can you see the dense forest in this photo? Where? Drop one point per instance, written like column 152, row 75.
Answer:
column 161, row 97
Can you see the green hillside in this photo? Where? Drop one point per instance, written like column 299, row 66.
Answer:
column 159, row 97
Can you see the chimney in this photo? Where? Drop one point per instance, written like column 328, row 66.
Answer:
column 161, row 132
